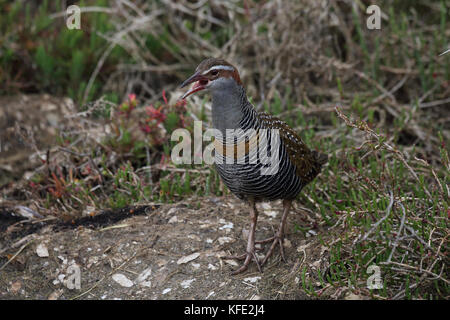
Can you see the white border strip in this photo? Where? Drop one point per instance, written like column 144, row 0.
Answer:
column 221, row 67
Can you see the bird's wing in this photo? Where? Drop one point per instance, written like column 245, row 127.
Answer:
column 307, row 163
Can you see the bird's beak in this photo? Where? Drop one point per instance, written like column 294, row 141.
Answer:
column 200, row 84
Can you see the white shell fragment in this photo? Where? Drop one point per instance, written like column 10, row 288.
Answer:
column 252, row 279
column 188, row 258
column 143, row 276
column 122, row 280
column 186, row 283
column 42, row 250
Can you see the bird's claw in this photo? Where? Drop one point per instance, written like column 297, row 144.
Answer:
column 275, row 240
column 249, row 256
column 235, row 257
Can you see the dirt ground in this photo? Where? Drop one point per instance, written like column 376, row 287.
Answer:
column 157, row 252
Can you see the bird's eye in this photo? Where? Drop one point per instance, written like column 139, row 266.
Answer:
column 214, row 72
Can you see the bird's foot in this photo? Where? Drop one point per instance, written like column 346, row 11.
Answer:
column 241, row 256
column 248, row 257
column 276, row 239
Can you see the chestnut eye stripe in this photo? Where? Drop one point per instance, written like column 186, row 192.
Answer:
column 228, row 68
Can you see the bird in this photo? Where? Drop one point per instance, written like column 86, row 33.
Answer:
column 240, row 127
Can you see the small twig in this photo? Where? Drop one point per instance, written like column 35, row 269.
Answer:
column 117, row 226
column 172, row 169
column 390, row 92
column 148, row 167
column 400, row 229
column 375, row 225
column 414, row 234
column 73, row 152
column 433, row 172
column 97, row 70
column 376, row 84
column 435, row 103
column 407, row 266
column 16, row 254
column 91, row 161
column 445, row 52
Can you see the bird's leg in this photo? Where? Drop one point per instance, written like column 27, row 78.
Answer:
column 279, row 236
column 250, row 254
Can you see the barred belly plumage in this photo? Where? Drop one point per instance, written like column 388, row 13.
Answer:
column 246, row 179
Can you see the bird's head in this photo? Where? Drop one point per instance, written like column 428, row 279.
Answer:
column 212, row 74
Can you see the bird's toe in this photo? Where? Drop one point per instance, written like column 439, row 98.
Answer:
column 275, row 240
